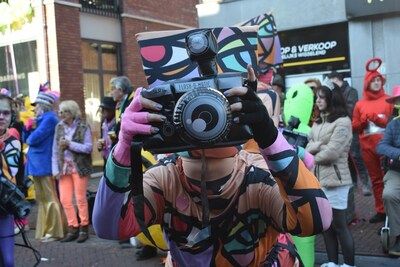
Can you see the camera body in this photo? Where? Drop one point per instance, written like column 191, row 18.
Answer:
column 12, row 200
column 198, row 114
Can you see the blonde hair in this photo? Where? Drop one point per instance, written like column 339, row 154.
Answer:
column 72, row 107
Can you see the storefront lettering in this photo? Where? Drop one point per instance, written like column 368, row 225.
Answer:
column 307, row 50
column 7, row 78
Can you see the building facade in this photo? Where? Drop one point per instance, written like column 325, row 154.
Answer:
column 331, row 34
column 79, row 45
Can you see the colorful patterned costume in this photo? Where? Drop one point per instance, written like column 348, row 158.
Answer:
column 11, row 153
column 248, row 207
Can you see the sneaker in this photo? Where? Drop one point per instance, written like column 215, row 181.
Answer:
column 366, row 191
column 48, row 238
column 329, row 264
column 378, row 217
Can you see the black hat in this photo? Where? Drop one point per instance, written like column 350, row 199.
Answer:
column 335, row 74
column 108, row 103
column 278, row 80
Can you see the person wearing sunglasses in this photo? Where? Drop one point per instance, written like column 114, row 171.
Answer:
column 10, row 149
column 72, row 164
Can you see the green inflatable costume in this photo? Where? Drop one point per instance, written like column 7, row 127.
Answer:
column 299, row 104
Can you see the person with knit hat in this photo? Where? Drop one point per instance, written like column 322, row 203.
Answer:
column 215, row 207
column 50, row 223
column 389, row 147
column 370, row 117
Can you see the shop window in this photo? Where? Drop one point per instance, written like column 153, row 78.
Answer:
column 100, row 63
column 26, row 67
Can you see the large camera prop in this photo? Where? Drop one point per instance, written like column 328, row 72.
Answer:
column 198, row 114
column 12, row 200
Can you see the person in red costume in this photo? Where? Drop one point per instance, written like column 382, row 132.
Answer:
column 370, row 116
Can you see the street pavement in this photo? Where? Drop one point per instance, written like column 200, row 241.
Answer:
column 99, row 252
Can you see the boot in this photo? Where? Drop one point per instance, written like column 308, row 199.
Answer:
column 83, row 234
column 71, row 235
column 378, row 217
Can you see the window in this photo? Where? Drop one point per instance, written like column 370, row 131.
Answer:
column 25, row 65
column 100, row 63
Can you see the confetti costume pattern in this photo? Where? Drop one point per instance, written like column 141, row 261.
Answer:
column 248, row 208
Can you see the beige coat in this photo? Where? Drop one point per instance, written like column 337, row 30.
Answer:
column 329, row 142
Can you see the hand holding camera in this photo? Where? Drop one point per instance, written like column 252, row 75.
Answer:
column 136, row 122
column 253, row 112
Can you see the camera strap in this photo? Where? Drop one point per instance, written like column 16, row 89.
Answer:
column 136, row 182
column 204, row 199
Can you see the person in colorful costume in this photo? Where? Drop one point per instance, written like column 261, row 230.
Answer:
column 248, row 207
column 50, row 221
column 370, row 116
column 123, row 93
column 10, row 149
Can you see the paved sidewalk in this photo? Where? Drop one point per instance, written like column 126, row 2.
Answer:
column 98, row 252
column 366, row 238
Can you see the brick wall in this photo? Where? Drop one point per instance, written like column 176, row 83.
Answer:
column 69, row 53
column 181, row 12
column 131, row 60
column 177, row 11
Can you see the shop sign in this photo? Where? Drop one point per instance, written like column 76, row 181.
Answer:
column 316, row 47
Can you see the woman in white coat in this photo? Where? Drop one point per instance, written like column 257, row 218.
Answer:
column 329, row 142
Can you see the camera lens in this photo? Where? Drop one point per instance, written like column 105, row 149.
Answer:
column 197, row 43
column 203, row 116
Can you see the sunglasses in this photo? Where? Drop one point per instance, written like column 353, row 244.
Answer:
column 64, row 111
column 5, row 113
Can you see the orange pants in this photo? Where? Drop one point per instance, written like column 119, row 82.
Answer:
column 68, row 185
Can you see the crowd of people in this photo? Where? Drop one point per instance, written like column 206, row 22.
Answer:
column 215, row 206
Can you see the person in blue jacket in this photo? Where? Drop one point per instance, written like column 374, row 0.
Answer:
column 49, row 224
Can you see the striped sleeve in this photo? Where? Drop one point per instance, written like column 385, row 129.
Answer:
column 306, row 210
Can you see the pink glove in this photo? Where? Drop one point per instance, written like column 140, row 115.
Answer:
column 133, row 123
column 308, row 160
column 306, row 157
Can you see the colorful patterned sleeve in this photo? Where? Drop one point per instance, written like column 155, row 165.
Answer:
column 306, row 210
column 113, row 214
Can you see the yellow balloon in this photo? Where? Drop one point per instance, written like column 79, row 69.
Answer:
column 157, row 235
column 155, row 230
